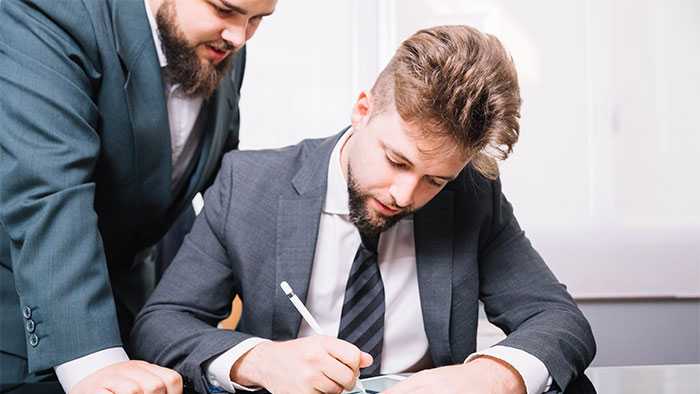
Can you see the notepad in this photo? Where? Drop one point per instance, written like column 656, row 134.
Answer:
column 378, row 384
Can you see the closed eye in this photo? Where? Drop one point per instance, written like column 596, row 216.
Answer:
column 436, row 183
column 223, row 11
column 396, row 164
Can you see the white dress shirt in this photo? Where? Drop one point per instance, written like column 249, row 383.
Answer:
column 182, row 114
column 405, row 346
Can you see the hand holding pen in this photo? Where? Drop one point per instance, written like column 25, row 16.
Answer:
column 311, row 321
column 307, row 365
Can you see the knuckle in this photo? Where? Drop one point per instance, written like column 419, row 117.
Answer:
column 133, row 389
column 175, row 379
column 336, row 388
column 308, row 357
column 154, row 387
column 349, row 383
column 314, row 356
column 356, row 358
column 125, row 387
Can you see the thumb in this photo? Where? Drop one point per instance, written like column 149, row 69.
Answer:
column 365, row 360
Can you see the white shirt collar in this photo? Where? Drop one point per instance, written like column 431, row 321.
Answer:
column 337, row 197
column 156, row 35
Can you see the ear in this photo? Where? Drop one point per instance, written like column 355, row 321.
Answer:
column 362, row 110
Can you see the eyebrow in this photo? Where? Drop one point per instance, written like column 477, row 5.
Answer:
column 240, row 10
column 405, row 159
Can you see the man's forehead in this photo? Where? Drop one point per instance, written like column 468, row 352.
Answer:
column 434, row 146
column 418, row 144
column 440, row 158
column 251, row 6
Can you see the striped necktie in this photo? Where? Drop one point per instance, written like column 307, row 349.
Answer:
column 362, row 318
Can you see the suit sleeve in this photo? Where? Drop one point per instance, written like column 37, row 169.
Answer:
column 177, row 326
column 523, row 298
column 48, row 151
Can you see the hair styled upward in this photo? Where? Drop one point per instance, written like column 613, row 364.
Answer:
column 460, row 87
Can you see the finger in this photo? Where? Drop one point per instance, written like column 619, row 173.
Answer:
column 345, row 352
column 104, row 391
column 149, row 382
column 172, row 379
column 366, row 360
column 120, row 384
column 325, row 385
column 338, row 372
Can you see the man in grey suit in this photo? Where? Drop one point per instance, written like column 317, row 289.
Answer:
column 113, row 115
column 390, row 232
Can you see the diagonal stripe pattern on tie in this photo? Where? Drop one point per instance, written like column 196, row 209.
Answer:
column 362, row 318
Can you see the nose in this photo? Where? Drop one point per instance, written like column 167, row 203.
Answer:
column 403, row 190
column 235, row 34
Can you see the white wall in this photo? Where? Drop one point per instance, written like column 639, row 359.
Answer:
column 604, row 177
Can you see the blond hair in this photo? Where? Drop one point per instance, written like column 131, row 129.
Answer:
column 459, row 85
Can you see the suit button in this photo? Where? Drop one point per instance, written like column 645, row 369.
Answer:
column 33, row 340
column 30, row 326
column 27, row 312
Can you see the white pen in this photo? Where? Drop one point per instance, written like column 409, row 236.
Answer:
column 308, row 318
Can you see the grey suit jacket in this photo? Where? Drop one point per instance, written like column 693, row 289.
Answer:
column 259, row 227
column 85, row 171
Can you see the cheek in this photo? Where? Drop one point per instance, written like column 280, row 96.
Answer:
column 371, row 176
column 424, row 194
column 379, row 173
column 199, row 25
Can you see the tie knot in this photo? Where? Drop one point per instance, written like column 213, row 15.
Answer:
column 370, row 241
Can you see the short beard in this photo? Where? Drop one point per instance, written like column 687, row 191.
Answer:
column 184, row 66
column 360, row 215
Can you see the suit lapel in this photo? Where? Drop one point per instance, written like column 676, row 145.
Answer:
column 433, row 227
column 146, row 101
column 297, row 230
column 220, row 120
column 217, row 115
column 213, row 136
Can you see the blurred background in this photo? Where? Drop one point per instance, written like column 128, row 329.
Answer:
column 605, row 177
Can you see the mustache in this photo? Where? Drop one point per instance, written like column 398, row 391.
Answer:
column 222, row 45
column 391, row 203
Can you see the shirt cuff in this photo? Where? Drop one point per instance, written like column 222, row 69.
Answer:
column 533, row 371
column 72, row 372
column 219, row 369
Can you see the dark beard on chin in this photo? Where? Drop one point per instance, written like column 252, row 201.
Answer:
column 184, row 66
column 360, row 215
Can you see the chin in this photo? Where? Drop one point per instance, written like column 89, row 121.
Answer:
column 379, row 220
